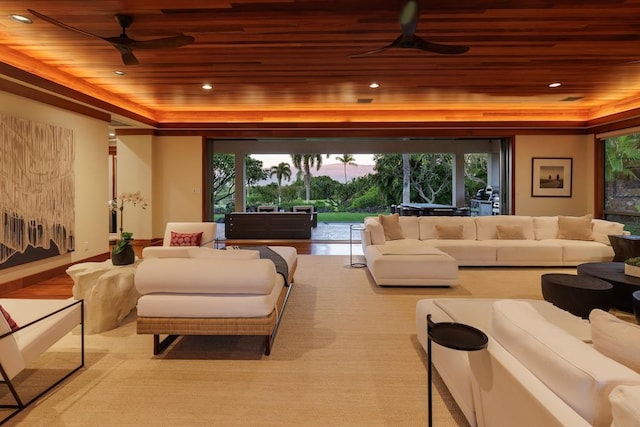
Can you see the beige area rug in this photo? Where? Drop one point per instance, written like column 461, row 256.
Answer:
column 346, row 355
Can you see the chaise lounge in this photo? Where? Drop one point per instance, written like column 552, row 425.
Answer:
column 192, row 290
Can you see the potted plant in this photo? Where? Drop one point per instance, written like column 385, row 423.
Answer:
column 122, row 253
column 632, row 267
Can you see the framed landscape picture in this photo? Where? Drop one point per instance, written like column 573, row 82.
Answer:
column 551, row 177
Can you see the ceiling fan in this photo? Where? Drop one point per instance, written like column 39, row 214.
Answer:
column 409, row 40
column 123, row 43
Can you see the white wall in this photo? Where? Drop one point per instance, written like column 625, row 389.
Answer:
column 177, row 183
column 135, row 174
column 578, row 147
column 91, row 182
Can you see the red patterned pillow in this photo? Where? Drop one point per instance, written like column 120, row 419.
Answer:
column 185, row 239
column 12, row 323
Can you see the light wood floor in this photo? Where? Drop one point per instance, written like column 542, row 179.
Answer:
column 59, row 287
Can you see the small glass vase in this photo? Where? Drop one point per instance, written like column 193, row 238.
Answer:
column 126, row 257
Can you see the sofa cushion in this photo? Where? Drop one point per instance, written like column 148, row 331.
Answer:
column 575, row 371
column 427, row 225
column 603, row 228
column 523, row 252
column 205, row 276
column 376, row 232
column 616, row 338
column 510, row 232
column 625, row 406
column 391, row 226
column 575, row 227
column 545, row 227
column 185, row 239
column 487, row 225
column 449, row 231
column 576, row 252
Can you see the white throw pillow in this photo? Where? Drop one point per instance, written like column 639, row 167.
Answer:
column 603, row 228
column 575, row 371
column 616, row 338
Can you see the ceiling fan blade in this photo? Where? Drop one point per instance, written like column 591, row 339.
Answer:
column 409, row 17
column 62, row 24
column 128, row 58
column 444, row 49
column 393, row 44
column 162, row 43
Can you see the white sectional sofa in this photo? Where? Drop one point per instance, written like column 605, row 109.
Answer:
column 540, row 368
column 501, row 240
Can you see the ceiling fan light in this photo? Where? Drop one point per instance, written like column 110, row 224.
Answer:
column 21, row 18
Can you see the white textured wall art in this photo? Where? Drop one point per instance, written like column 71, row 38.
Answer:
column 37, row 190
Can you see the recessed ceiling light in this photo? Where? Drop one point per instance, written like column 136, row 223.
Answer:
column 119, row 73
column 21, row 18
column 207, row 86
column 556, row 84
column 374, row 85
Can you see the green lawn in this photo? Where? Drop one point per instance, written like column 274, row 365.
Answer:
column 356, row 217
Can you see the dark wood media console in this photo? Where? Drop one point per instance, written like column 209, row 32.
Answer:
column 267, row 225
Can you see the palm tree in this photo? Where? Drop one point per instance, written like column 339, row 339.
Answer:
column 283, row 170
column 346, row 159
column 304, row 162
column 622, row 153
column 406, row 179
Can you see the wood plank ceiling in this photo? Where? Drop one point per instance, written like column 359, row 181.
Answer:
column 288, row 60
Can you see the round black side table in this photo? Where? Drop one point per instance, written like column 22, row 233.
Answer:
column 636, row 305
column 456, row 336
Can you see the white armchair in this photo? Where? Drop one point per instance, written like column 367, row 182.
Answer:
column 41, row 323
column 208, row 230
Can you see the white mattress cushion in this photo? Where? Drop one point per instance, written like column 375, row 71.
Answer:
column 486, row 225
column 209, row 305
column 625, row 406
column 575, row 371
column 196, row 252
column 205, row 275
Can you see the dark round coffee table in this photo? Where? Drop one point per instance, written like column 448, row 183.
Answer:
column 576, row 294
column 613, row 272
